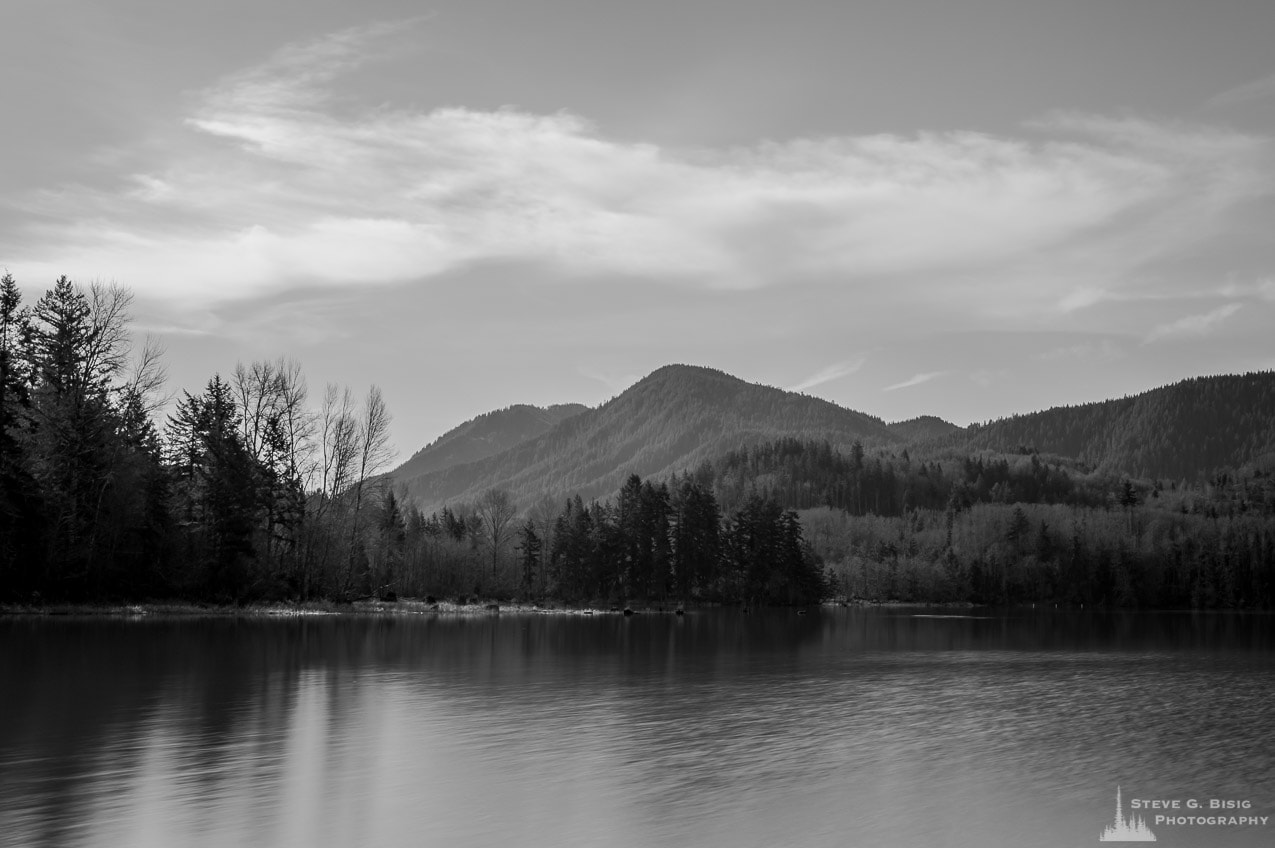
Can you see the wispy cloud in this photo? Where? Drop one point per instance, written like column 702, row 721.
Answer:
column 1260, row 289
column 1101, row 349
column 614, row 381
column 987, row 377
column 828, row 374
column 280, row 185
column 1253, row 90
column 1193, row 326
column 1084, row 297
column 915, row 380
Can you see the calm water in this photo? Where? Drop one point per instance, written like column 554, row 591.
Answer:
column 838, row 728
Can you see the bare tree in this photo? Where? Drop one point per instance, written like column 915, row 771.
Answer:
column 544, row 514
column 276, row 426
column 372, row 440
column 338, row 448
column 298, row 421
column 147, row 377
column 374, row 432
column 278, row 431
column 107, row 345
column 254, row 390
column 495, row 510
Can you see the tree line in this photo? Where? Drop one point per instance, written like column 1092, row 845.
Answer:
column 249, row 490
column 244, row 491
column 1019, row 528
column 652, row 543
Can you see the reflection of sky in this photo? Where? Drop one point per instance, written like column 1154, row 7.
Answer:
column 699, row 731
column 1027, row 203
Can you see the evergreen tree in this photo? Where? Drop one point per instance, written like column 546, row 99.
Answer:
column 215, row 489
column 696, row 538
column 77, row 347
column 529, row 546
column 21, row 508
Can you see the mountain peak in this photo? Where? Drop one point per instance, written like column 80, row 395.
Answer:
column 671, row 420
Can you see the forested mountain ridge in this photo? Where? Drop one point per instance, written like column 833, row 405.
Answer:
column 681, row 416
column 923, row 427
column 675, row 418
column 487, row 435
column 1190, row 429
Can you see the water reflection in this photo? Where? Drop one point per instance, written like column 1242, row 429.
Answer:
column 842, row 727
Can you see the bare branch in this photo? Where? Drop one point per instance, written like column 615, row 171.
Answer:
column 147, row 377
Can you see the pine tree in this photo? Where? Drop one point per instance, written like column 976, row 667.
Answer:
column 529, row 546
column 78, row 345
column 216, row 489
column 21, row 513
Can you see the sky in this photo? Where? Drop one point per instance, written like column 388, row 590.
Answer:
column 962, row 208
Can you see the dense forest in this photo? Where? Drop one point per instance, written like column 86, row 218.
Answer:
column 1025, row 528
column 249, row 491
column 1187, row 430
column 661, row 543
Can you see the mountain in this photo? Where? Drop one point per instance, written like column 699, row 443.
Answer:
column 923, row 428
column 681, row 416
column 487, row 435
column 1186, row 430
column 672, row 420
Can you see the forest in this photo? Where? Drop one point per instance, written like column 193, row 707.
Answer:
column 245, row 492
column 991, row 528
column 250, row 491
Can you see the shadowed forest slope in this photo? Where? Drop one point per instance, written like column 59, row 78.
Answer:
column 677, row 417
column 1187, row 430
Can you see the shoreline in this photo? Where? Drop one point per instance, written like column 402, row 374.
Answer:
column 401, row 607
column 419, row 607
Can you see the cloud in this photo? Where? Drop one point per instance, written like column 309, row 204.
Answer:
column 915, row 380
column 1082, row 298
column 1260, row 289
column 986, row 377
column 828, row 374
column 1102, row 349
column 1253, row 90
column 279, row 183
column 1192, row 326
column 614, row 381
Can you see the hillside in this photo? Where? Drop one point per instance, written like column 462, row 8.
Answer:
column 1186, row 430
column 923, row 428
column 681, row 416
column 675, row 418
column 487, row 435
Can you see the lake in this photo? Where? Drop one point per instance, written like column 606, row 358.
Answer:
column 841, row 727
